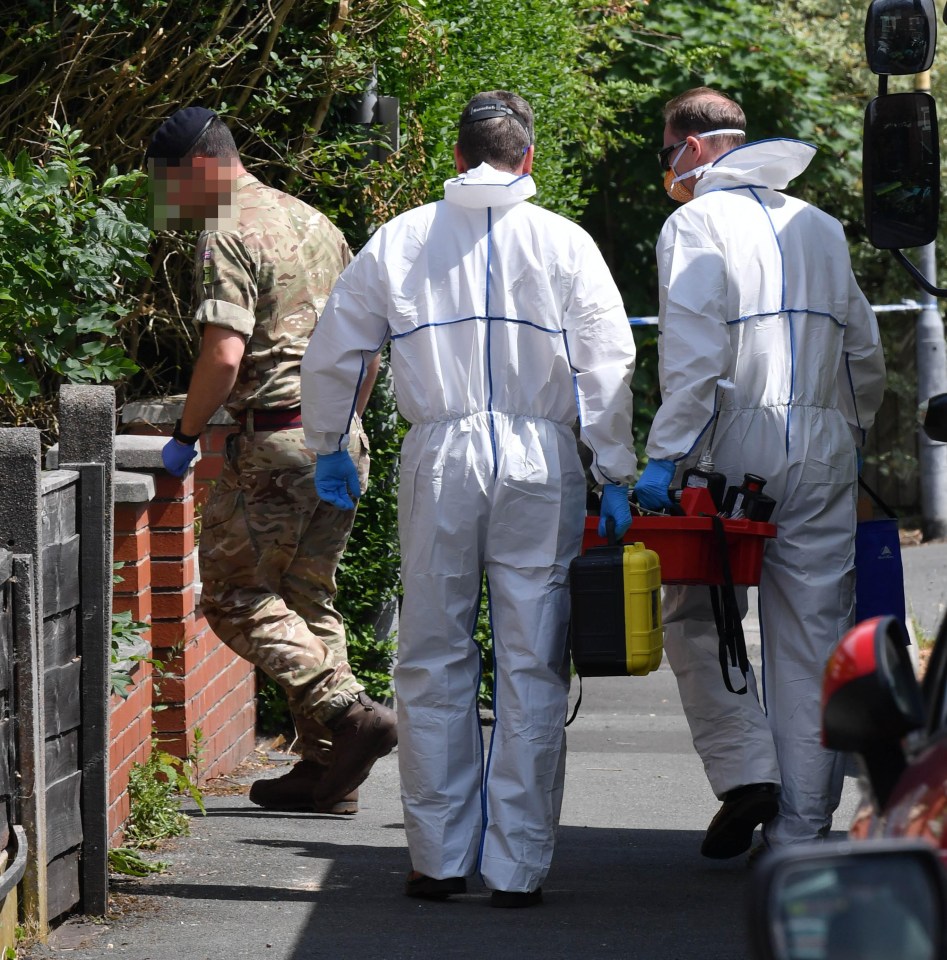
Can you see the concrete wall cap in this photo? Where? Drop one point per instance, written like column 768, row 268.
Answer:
column 133, row 452
column 52, row 480
column 164, row 411
column 134, row 487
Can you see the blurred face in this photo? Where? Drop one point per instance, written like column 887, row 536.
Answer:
column 190, row 194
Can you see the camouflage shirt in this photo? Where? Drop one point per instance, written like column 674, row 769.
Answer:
column 266, row 273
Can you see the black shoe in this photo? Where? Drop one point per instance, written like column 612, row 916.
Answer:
column 430, row 888
column 516, row 898
column 731, row 831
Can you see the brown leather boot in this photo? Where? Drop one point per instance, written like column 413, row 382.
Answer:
column 363, row 733
column 295, row 792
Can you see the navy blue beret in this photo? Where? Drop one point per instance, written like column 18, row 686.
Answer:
column 173, row 139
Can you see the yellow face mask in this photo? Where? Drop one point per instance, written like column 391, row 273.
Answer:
column 675, row 188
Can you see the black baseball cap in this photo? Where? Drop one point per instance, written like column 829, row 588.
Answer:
column 175, row 137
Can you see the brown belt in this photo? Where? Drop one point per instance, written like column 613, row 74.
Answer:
column 283, row 419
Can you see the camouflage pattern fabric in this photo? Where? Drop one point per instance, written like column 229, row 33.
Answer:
column 269, row 549
column 267, row 273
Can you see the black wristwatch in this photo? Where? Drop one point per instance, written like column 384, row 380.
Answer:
column 186, row 438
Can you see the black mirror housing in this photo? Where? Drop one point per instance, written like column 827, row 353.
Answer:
column 932, row 415
column 900, row 36
column 901, row 169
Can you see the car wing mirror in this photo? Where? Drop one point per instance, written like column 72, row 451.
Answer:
column 901, row 169
column 871, row 700
column 932, row 413
column 869, row 899
column 900, row 36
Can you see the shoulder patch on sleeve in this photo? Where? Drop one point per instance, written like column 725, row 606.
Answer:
column 209, row 271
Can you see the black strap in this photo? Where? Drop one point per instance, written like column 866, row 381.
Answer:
column 723, row 599
column 578, row 703
column 885, row 509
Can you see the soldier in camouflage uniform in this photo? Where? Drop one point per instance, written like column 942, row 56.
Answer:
column 269, row 547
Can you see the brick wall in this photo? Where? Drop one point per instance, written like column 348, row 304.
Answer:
column 130, row 719
column 201, row 685
column 130, row 742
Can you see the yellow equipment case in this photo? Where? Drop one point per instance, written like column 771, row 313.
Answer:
column 616, row 611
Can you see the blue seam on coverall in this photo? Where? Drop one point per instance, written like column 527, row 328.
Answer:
column 486, row 310
column 447, row 323
column 776, row 313
column 484, row 812
column 358, row 384
column 782, row 309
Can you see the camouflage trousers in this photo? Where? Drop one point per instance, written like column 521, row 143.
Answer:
column 269, row 549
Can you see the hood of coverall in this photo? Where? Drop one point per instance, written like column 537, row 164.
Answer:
column 484, row 187
column 763, row 163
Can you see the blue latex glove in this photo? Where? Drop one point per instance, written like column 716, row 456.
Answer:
column 614, row 507
column 337, row 479
column 176, row 456
column 651, row 490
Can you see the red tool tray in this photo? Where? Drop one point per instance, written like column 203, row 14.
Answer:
column 687, row 546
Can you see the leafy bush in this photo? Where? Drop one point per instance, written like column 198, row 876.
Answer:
column 69, row 249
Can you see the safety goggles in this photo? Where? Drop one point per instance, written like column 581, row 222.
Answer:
column 664, row 155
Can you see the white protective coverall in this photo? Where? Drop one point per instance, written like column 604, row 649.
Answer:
column 757, row 287
column 504, row 324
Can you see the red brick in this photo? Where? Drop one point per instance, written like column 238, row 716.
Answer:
column 130, row 517
column 172, row 604
column 169, row 690
column 171, row 513
column 133, row 577
column 173, row 488
column 227, row 761
column 166, row 634
column 178, row 745
column 215, row 437
column 210, row 469
column 138, row 603
column 176, row 719
column 130, row 547
column 172, row 543
column 173, row 573
column 180, row 660
column 127, row 713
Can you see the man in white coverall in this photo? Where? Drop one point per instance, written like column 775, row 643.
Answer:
column 504, row 324
column 757, row 287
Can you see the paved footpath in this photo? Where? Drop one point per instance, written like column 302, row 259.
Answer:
column 627, row 879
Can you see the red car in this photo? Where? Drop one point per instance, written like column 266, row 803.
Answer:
column 882, row 897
